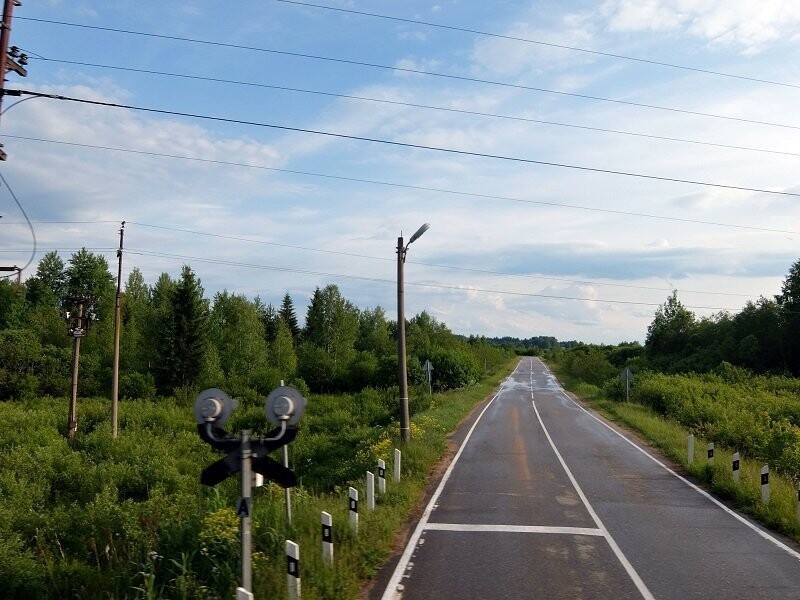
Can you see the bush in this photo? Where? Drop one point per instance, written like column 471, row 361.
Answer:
column 137, row 385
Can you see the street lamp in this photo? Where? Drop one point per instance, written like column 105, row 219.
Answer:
column 405, row 430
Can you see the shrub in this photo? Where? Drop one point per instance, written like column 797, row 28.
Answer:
column 137, row 385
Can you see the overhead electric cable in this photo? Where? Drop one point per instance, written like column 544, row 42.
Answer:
column 417, row 105
column 425, row 264
column 407, row 186
column 413, row 146
column 424, row 72
column 24, row 214
column 541, row 43
column 393, row 282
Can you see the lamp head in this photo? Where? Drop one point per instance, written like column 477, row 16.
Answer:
column 419, row 232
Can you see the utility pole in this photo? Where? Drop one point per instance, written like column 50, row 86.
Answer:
column 77, row 329
column 117, row 326
column 402, row 376
column 9, row 61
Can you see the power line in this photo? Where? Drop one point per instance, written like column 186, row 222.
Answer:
column 425, row 264
column 27, row 220
column 393, row 282
column 419, row 72
column 542, row 43
column 410, row 145
column 414, row 105
column 401, row 186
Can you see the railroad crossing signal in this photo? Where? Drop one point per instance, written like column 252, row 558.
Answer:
column 212, row 409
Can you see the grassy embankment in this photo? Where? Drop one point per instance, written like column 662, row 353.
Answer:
column 756, row 416
column 128, row 518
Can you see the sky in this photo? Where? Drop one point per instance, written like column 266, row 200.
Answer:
column 576, row 161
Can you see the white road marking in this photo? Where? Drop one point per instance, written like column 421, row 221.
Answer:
column 393, row 589
column 637, row 581
column 697, row 489
column 467, row 527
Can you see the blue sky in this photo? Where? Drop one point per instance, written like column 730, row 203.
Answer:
column 515, row 248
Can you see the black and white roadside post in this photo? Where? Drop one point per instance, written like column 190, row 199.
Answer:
column 710, row 453
column 293, row 570
column 327, row 538
column 353, row 498
column 429, row 373
column 397, row 458
column 735, row 466
column 284, row 406
column 765, row 484
column 690, row 450
column 381, row 476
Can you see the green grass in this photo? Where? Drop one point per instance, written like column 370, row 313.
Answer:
column 128, row 518
column 671, row 438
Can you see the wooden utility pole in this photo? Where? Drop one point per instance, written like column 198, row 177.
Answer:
column 77, row 329
column 117, row 326
column 15, row 62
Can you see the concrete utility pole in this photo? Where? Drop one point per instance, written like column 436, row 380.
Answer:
column 13, row 61
column 405, row 429
column 77, row 329
column 117, row 326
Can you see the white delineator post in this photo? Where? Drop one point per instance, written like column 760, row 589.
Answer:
column 397, row 458
column 354, row 509
column 735, row 467
column 690, row 453
column 243, row 594
column 711, row 453
column 765, row 484
column 293, row 570
column 381, row 476
column 327, row 538
column 370, row 491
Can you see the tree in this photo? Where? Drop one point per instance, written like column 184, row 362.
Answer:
column 288, row 315
column 789, row 302
column 87, row 275
column 281, row 351
column 668, row 334
column 332, row 327
column 48, row 286
column 238, row 334
column 373, row 333
column 182, row 335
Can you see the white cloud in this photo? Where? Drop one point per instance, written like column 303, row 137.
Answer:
column 744, row 24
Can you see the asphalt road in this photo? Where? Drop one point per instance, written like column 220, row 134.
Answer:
column 546, row 500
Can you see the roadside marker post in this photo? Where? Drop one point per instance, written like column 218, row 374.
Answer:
column 243, row 594
column 327, row 538
column 370, row 491
column 691, row 449
column 735, row 467
column 381, row 476
column 354, row 509
column 397, row 458
column 293, row 570
column 711, row 453
column 765, row 484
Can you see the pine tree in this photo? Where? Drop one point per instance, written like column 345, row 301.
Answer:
column 287, row 314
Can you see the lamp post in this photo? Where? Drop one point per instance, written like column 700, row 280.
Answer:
column 405, row 430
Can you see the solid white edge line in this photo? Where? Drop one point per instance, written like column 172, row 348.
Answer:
column 637, row 581
column 467, row 528
column 391, row 592
column 697, row 489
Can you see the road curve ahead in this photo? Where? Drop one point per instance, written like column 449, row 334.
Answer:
column 545, row 500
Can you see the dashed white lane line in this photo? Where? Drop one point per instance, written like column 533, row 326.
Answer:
column 637, row 581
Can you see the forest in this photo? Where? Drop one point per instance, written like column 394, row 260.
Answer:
column 175, row 340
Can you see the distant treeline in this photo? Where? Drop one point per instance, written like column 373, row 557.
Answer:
column 531, row 346
column 763, row 338
column 175, row 340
